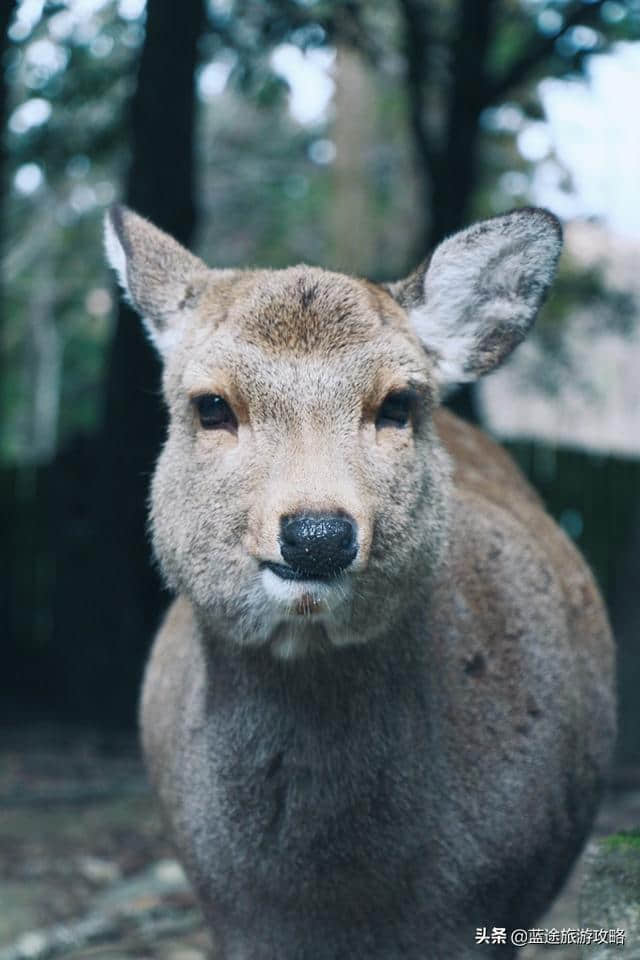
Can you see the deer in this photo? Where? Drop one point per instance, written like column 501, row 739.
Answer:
column 380, row 710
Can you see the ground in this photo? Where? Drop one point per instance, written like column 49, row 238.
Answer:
column 88, row 873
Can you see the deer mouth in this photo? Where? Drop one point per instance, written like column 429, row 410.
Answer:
column 303, row 595
column 290, row 573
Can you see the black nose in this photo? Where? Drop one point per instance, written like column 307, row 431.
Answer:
column 318, row 545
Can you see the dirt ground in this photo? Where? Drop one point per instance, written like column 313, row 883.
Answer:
column 87, row 872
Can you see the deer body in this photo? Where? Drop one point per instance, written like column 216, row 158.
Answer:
column 379, row 713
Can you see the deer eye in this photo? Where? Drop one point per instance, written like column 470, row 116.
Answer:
column 214, row 412
column 395, row 410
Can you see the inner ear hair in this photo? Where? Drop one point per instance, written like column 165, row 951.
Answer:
column 475, row 299
column 160, row 278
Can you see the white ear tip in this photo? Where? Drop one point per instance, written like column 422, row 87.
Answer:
column 114, row 250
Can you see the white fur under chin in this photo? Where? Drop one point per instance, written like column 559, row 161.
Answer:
column 294, row 635
column 285, row 594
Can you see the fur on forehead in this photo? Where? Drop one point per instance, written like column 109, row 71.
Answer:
column 303, row 309
column 261, row 329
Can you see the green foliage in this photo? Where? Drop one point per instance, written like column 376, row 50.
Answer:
column 269, row 185
column 625, row 839
column 80, row 71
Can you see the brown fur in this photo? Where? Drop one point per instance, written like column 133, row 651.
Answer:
column 372, row 768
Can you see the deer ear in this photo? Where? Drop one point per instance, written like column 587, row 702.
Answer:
column 160, row 279
column 477, row 297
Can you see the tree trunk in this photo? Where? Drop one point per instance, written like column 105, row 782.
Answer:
column 160, row 187
column 447, row 161
column 351, row 226
column 447, row 170
column 455, row 169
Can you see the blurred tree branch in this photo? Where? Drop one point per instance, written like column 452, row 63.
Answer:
column 539, row 49
column 447, row 158
column 265, row 25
